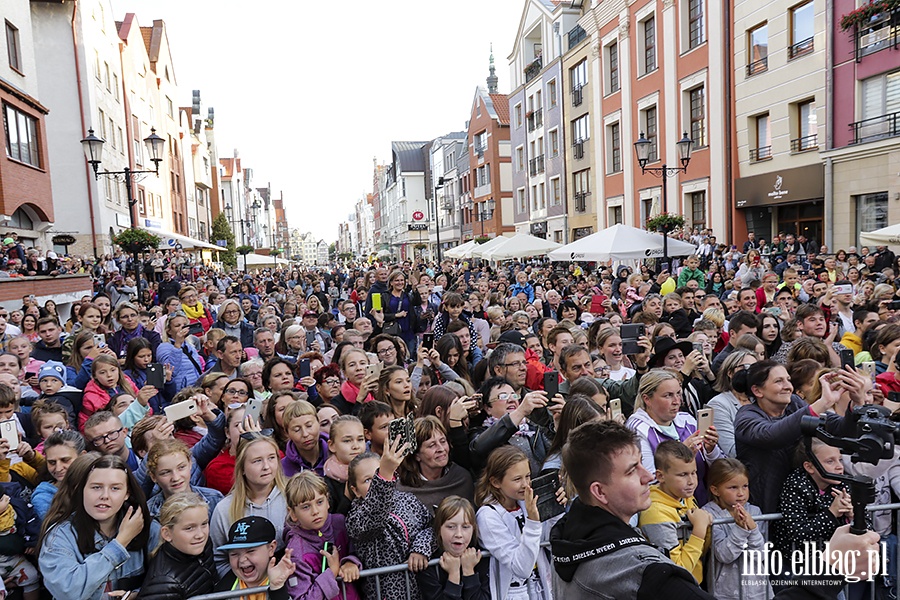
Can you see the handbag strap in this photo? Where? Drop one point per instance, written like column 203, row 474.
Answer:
column 184, row 348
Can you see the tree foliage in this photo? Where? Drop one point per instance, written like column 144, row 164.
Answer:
column 221, row 230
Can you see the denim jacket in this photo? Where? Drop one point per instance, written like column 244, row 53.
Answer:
column 69, row 574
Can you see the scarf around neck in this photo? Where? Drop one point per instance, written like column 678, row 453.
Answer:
column 194, row 312
column 350, row 393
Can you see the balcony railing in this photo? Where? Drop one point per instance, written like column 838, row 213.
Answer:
column 876, row 128
column 801, row 48
column 578, row 149
column 761, row 153
column 577, row 95
column 479, row 151
column 880, row 33
column 576, row 34
column 533, row 69
column 536, row 165
column 581, row 201
column 758, row 66
column 802, row 144
column 535, row 119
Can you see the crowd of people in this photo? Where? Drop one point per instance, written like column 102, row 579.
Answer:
column 583, row 425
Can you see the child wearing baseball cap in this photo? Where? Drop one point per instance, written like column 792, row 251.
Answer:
column 251, row 555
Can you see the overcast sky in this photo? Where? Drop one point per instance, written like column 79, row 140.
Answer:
column 310, row 92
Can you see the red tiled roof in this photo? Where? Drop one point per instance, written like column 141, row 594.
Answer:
column 501, row 105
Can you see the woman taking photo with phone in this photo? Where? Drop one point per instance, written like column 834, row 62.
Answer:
column 98, row 533
column 184, row 358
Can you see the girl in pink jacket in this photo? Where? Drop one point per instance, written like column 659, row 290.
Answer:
column 107, row 380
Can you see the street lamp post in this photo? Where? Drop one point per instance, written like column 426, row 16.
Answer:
column 93, row 150
column 437, row 219
column 485, row 213
column 642, row 149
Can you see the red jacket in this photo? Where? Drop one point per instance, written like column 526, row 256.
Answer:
column 534, row 380
column 888, row 382
column 220, row 472
column 96, row 398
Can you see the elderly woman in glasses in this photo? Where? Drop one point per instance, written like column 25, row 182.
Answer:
column 507, row 422
column 232, row 322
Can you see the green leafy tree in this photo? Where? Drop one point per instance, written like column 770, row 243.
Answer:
column 221, row 230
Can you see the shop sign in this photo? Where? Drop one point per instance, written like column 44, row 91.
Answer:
column 781, row 187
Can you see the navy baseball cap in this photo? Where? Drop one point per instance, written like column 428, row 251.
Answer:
column 249, row 532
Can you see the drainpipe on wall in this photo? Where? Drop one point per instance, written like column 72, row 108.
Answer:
column 87, row 169
column 729, row 114
column 829, row 127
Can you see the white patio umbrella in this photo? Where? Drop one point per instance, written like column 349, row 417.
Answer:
column 881, row 237
column 620, row 242
column 479, row 250
column 520, row 245
column 460, row 251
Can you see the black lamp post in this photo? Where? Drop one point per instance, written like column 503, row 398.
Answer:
column 642, row 149
column 437, row 219
column 229, row 214
column 93, row 150
column 485, row 213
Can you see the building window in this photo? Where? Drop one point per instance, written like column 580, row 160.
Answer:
column 534, row 201
column 483, row 175
column 170, row 108
column 646, row 210
column 102, row 124
column 581, row 187
column 615, row 148
column 111, row 128
column 551, row 92
column 555, row 192
column 12, row 47
column 802, row 30
column 578, row 75
column 615, row 215
column 116, row 85
column 880, row 98
column 651, row 131
column 136, row 140
column 698, row 116
column 580, row 129
column 520, row 158
column 695, row 23
column 758, row 49
column 807, row 127
column 871, row 211
column 698, row 209
column 649, row 45
column 542, row 195
column 523, row 201
column 21, row 137
column 554, row 142
column 518, row 112
column 763, row 150
column 142, row 202
column 612, row 67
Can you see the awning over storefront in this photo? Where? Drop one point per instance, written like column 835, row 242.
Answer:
column 170, row 241
column 781, row 187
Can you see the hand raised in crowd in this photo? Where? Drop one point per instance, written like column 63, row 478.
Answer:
column 130, row 526
column 452, row 566
column 393, row 454
column 25, row 451
column 459, row 410
column 527, row 405
column 556, row 405
column 170, row 370
column 349, row 572
column 531, row 504
column 249, row 425
column 145, row 393
column 469, row 560
column 280, row 572
column 368, row 386
column 643, row 357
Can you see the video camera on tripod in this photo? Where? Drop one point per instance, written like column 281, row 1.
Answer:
column 876, row 436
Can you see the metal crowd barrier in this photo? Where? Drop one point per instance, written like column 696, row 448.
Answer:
column 379, row 572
